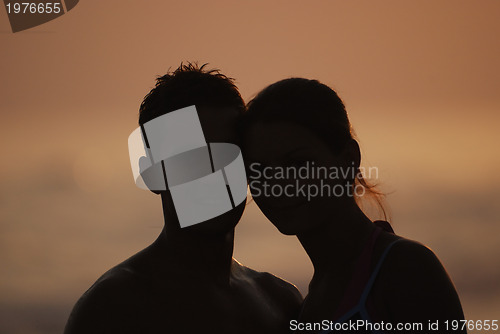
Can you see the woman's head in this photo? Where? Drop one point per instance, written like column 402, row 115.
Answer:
column 301, row 155
column 306, row 102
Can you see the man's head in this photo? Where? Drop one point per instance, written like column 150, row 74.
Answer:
column 215, row 96
column 219, row 106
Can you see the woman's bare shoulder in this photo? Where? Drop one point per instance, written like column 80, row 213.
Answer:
column 411, row 257
column 416, row 285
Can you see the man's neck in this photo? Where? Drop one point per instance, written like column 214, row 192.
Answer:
column 192, row 254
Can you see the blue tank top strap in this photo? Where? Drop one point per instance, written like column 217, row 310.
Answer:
column 366, row 316
column 374, row 275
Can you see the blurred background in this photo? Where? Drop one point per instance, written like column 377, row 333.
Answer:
column 420, row 80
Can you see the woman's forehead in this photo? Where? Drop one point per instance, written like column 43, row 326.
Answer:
column 277, row 138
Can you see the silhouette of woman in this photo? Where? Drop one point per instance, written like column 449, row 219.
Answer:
column 303, row 163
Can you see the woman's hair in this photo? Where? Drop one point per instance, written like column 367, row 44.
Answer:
column 315, row 106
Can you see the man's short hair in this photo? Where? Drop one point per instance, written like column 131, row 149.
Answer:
column 188, row 85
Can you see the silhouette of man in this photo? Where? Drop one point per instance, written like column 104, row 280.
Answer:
column 187, row 281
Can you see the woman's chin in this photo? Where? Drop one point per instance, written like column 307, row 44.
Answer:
column 288, row 229
column 296, row 219
column 288, row 222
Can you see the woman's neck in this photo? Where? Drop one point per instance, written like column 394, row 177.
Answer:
column 337, row 242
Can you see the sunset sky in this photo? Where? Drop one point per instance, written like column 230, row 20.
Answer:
column 420, row 80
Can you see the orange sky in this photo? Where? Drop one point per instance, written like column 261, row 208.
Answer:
column 420, row 81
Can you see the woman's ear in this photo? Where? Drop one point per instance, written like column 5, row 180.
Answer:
column 352, row 154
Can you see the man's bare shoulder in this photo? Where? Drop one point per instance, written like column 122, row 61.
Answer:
column 281, row 292
column 114, row 282
column 110, row 304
